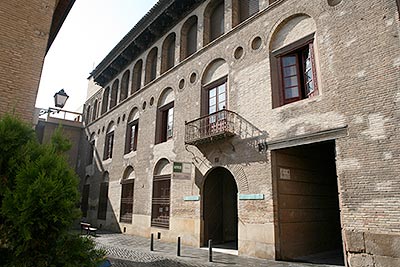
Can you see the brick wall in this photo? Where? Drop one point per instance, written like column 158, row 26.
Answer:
column 25, row 30
column 358, row 77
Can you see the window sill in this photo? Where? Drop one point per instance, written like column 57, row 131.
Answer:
column 130, row 154
column 305, row 101
column 107, row 161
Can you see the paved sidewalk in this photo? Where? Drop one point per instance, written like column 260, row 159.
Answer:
column 132, row 251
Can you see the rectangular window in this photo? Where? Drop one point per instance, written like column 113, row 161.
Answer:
column 297, row 74
column 109, row 145
column 85, row 200
column 91, row 152
column 127, row 201
column 161, row 201
column 131, row 136
column 165, row 123
column 103, row 199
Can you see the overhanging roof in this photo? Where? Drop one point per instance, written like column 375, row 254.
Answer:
column 161, row 18
column 60, row 13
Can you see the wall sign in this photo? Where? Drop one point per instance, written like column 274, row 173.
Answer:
column 284, row 173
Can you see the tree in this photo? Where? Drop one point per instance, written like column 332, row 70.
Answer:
column 39, row 193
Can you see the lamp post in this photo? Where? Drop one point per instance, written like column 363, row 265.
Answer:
column 59, row 101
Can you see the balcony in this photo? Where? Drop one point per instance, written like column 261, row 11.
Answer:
column 220, row 125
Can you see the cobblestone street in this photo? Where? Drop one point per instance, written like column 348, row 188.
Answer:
column 132, row 251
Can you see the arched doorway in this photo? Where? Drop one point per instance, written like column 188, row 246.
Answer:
column 220, row 211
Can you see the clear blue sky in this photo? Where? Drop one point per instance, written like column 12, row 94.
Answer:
column 91, row 30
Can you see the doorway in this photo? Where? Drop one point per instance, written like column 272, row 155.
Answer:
column 220, row 211
column 308, row 222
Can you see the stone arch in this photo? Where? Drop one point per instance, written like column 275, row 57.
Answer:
column 151, row 65
column 214, row 20
column 137, row 76
column 124, row 85
column 189, row 37
column 168, row 52
column 163, row 167
column 290, row 30
column 166, row 96
column 106, row 95
column 217, row 69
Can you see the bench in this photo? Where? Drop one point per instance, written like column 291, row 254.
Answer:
column 87, row 227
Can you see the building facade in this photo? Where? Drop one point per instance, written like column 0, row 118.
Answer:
column 257, row 124
column 27, row 31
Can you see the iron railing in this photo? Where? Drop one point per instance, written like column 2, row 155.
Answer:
column 219, row 125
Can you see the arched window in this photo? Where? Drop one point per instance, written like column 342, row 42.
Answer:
column 124, row 86
column 165, row 116
column 160, row 211
column 114, row 94
column 137, row 76
column 214, row 89
column 94, row 114
column 168, row 53
column 132, row 131
column 106, row 94
column 243, row 9
column 87, row 119
column 189, row 37
column 293, row 64
column 214, row 21
column 128, row 183
column 109, row 142
column 103, row 198
column 151, row 65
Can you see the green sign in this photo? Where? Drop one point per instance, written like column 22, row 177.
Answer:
column 178, row 166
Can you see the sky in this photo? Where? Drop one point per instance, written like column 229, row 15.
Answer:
column 91, row 30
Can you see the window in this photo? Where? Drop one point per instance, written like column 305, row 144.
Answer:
column 217, row 22
column 151, row 65
column 189, row 37
column 104, row 107
column 87, row 115
column 293, row 65
column 160, row 211
column 94, row 115
column 85, row 198
column 243, row 9
column 109, row 142
column 214, row 21
column 132, row 131
column 165, row 116
column 103, row 198
column 91, row 151
column 124, row 86
column 114, row 94
column 137, row 76
column 128, row 183
column 168, row 54
column 297, row 73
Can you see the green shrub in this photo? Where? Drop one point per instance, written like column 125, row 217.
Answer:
column 38, row 201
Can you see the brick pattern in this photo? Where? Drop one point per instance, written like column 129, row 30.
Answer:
column 358, row 77
column 25, row 30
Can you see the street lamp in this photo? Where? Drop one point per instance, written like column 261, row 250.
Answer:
column 59, row 101
column 60, row 98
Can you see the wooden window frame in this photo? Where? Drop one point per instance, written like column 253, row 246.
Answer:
column 129, row 146
column 161, row 218
column 162, row 120
column 297, row 48
column 109, row 145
